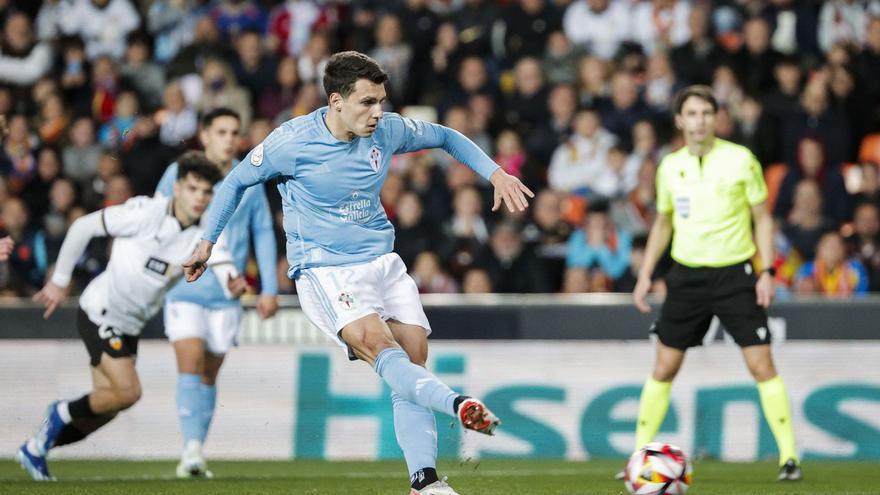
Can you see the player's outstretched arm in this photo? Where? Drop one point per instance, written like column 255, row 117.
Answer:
column 6, row 245
column 78, row 236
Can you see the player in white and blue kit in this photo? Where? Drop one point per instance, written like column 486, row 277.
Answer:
column 331, row 165
column 201, row 320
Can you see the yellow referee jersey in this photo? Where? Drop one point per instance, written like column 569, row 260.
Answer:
column 709, row 199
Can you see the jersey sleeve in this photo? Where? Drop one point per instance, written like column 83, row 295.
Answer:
column 166, row 183
column 274, row 157
column 755, row 187
column 408, row 134
column 664, row 195
column 133, row 217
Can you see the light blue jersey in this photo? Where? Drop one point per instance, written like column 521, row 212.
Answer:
column 253, row 219
column 330, row 188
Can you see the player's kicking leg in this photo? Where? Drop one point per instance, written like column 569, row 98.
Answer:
column 777, row 411
column 115, row 387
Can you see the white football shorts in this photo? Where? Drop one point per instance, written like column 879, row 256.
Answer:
column 219, row 327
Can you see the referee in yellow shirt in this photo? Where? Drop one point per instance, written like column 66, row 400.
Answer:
column 709, row 193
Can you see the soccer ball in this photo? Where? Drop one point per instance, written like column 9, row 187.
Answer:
column 658, row 469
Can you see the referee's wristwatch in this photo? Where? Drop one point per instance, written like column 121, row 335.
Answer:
column 771, row 270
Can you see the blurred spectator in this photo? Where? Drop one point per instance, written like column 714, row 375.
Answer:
column 816, row 117
column 253, row 69
column 291, row 24
column 694, row 61
column 511, row 267
column 546, row 235
column 48, row 21
column 220, row 89
column 106, row 85
column 145, row 75
column 576, row 280
column 525, row 26
column 17, row 161
column 281, row 94
column 660, row 86
column 726, row 86
column 542, row 141
column 115, row 132
column 577, row 164
column 661, row 24
column 394, row 56
column 473, row 79
column 80, row 157
column 429, row 275
column 561, row 60
column 474, row 20
column 868, row 64
column 757, row 58
column 844, row 21
column 831, row 274
column 794, row 25
column 53, row 119
column 23, row 59
column 476, row 281
column 593, row 77
column 389, row 195
column 757, row 131
column 206, row 45
column 61, row 201
column 108, row 167
column 28, row 260
column 627, row 281
column 145, row 158
column 36, row 192
column 118, row 190
column 619, row 176
column 75, row 73
column 598, row 244
column 599, row 25
column 313, row 60
column 635, row 212
column 624, row 108
column 465, row 231
column 412, row 234
column 178, row 122
column 235, row 16
column 869, row 185
column 813, row 164
column 805, row 223
column 445, row 60
column 420, row 31
column 509, row 153
column 782, row 102
column 173, row 24
column 426, row 180
column 102, row 24
column 864, row 241
column 526, row 108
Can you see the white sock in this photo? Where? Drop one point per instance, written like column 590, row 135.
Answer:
column 64, row 412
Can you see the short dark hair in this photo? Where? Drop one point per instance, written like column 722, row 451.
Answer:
column 697, row 90
column 197, row 164
column 344, row 69
column 215, row 113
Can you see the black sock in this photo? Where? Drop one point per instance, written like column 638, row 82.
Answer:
column 80, row 408
column 457, row 402
column 423, row 477
column 79, row 429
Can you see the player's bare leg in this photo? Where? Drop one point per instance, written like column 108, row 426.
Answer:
column 777, row 410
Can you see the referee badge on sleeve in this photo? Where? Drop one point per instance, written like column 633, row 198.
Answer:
column 683, row 205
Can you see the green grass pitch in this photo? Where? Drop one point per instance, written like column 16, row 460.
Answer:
column 488, row 477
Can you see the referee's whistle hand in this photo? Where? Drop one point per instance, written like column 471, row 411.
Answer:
column 764, row 290
column 643, row 286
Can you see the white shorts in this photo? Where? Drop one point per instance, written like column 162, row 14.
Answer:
column 332, row 297
column 219, row 328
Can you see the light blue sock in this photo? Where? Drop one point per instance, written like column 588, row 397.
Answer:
column 208, row 395
column 189, row 406
column 416, row 432
column 414, row 383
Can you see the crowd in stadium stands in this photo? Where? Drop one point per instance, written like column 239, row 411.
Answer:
column 571, row 96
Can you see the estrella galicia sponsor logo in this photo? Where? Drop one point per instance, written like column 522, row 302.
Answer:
column 358, row 208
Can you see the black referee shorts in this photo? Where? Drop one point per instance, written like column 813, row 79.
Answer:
column 694, row 295
column 104, row 340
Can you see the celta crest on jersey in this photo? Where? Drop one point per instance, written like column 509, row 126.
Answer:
column 375, row 158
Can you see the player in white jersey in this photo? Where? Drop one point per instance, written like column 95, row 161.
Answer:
column 330, row 166
column 149, row 236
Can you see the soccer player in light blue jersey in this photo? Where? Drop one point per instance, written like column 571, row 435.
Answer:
column 330, row 166
column 203, row 319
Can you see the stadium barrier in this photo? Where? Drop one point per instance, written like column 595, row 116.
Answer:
column 292, row 393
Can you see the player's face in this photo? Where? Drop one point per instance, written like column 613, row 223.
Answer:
column 696, row 120
column 191, row 197
column 362, row 109
column 221, row 139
